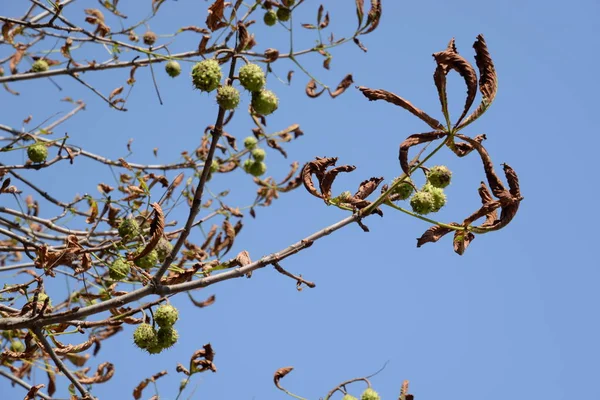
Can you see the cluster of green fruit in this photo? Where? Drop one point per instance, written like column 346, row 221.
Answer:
column 154, row 341
column 207, row 75
column 129, row 230
column 368, row 394
column 431, row 197
column 282, row 14
column 255, row 165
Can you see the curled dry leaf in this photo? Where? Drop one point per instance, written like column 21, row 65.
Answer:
column 462, row 240
column 373, row 17
column 137, row 392
column 205, row 303
column 311, row 89
column 450, row 59
column 341, row 88
column 32, row 393
column 214, row 20
column 104, row 372
column 488, row 80
column 380, row 94
column 279, row 374
column 414, row 140
column 433, row 234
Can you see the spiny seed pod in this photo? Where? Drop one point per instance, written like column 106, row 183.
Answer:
column 119, row 269
column 259, row 154
column 403, row 190
column 37, row 152
column 270, row 18
column 289, row 3
column 155, row 348
column 369, row 394
column 39, row 66
column 257, row 168
column 166, row 315
column 264, row 102
column 247, row 165
column 148, row 261
column 17, row 346
column 250, row 142
column 163, row 249
column 144, row 336
column 128, row 229
column 228, row 97
column 439, row 198
column 206, row 75
column 283, row 14
column 149, row 38
column 167, row 337
column 173, row 68
column 252, row 77
column 439, row 176
column 422, row 202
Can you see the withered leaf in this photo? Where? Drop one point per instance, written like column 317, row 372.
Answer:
column 360, row 45
column 104, row 372
column 316, row 167
column 462, row 240
column 137, row 392
column 243, row 37
column 203, row 43
column 205, row 303
column 214, row 20
column 194, row 29
column 488, row 84
column 51, row 382
column 327, row 181
column 373, row 17
column 289, row 76
column 32, row 392
column 381, row 94
column 360, row 5
column 341, row 88
column 432, row 235
column 512, row 179
column 309, row 26
column 16, row 58
column 325, row 22
column 367, row 187
column 93, row 212
column 311, row 89
column 414, row 140
column 279, row 374
column 450, row 59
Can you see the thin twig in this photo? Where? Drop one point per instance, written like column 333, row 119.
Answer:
column 299, row 279
column 24, row 384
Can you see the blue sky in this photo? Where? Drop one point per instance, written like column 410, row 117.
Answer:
column 514, row 316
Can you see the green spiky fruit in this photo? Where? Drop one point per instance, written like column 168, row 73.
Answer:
column 439, row 198
column 289, row 3
column 257, row 168
column 403, row 190
column 264, row 102
column 259, row 154
column 173, row 68
column 155, row 348
column 206, row 75
column 17, row 346
column 228, row 97
column 349, row 397
column 148, row 261
column 37, row 152
column 128, row 229
column 167, row 337
column 145, row 336
column 163, row 249
column 270, row 18
column 422, row 202
column 283, row 14
column 439, row 176
column 369, row 394
column 166, row 315
column 42, row 298
column 149, row 38
column 252, row 77
column 250, row 142
column 39, row 66
column 119, row 269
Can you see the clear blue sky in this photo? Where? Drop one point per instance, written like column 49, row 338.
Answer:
column 516, row 316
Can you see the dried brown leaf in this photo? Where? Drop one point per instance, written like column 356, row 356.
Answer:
column 327, row 181
column 414, row 140
column 137, row 392
column 16, row 58
column 462, row 240
column 367, row 187
column 341, row 88
column 104, row 372
column 311, row 89
column 32, row 392
column 214, row 20
column 205, row 303
column 380, row 94
column 373, row 17
column 360, row 5
column 433, row 234
column 279, row 374
column 195, row 29
column 488, row 80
